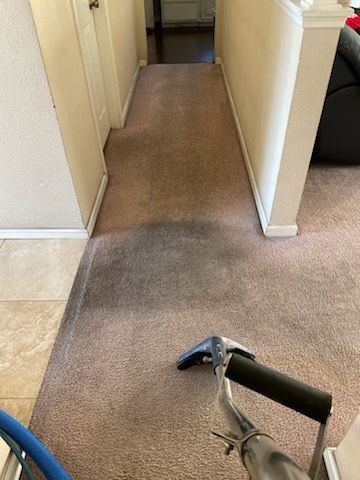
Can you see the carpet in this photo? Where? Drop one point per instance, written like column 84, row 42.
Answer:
column 177, row 256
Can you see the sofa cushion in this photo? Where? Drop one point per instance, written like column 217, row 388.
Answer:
column 343, row 74
column 337, row 138
column 349, row 47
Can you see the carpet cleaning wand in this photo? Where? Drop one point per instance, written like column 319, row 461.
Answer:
column 261, row 456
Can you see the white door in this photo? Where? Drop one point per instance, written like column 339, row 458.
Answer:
column 90, row 50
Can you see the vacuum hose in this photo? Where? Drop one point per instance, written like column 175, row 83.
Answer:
column 44, row 460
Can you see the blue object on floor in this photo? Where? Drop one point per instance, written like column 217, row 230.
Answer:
column 43, row 459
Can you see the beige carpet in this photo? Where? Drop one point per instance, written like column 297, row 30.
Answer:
column 177, row 256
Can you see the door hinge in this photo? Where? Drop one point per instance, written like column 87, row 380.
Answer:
column 93, row 4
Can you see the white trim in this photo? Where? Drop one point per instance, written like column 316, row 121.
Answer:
column 331, row 465
column 315, row 13
column 96, row 208
column 294, row 11
column 277, row 231
column 42, row 233
column 130, row 96
column 269, row 230
column 327, row 20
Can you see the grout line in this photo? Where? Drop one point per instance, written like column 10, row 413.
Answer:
column 35, row 301
column 18, row 398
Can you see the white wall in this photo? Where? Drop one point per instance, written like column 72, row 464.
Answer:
column 313, row 74
column 124, row 38
column 277, row 58
column 52, row 165
column 58, row 37
column 36, row 189
column 260, row 55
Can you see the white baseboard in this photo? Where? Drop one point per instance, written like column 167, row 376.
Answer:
column 130, row 95
column 59, row 233
column 274, row 231
column 269, row 230
column 97, row 204
column 42, row 233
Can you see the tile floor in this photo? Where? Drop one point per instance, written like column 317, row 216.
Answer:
column 36, row 277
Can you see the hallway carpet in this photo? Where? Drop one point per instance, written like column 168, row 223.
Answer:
column 178, row 256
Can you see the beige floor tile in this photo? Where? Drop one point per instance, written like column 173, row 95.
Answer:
column 38, row 269
column 1, row 242
column 27, row 334
column 19, row 408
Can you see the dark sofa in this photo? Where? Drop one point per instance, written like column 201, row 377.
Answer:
column 338, row 137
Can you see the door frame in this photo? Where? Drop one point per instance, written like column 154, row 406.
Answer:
column 107, row 57
column 149, row 14
column 89, row 91
column 108, row 66
column 217, row 28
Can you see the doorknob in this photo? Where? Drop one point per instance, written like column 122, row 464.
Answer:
column 93, row 4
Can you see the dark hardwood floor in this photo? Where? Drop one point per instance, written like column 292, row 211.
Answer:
column 181, row 45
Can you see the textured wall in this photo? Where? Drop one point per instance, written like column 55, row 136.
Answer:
column 307, row 104
column 60, row 48
column 261, row 57
column 278, row 72
column 36, row 190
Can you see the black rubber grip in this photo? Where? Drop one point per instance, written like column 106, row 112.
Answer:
column 291, row 393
